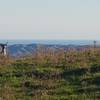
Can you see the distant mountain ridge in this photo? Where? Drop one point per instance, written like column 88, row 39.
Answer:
column 21, row 49
column 51, row 42
column 24, row 49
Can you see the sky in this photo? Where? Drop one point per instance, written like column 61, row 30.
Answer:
column 50, row 19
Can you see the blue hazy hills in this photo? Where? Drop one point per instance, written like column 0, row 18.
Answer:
column 23, row 47
column 58, row 42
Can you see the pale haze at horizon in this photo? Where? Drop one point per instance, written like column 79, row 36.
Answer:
column 50, row 19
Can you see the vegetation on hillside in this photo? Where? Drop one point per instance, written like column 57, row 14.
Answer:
column 63, row 75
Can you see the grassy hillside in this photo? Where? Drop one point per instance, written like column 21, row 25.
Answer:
column 71, row 75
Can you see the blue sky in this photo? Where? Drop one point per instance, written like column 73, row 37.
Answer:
column 50, row 19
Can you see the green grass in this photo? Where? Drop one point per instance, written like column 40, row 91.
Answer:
column 26, row 80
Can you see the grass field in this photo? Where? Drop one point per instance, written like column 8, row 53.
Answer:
column 73, row 76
